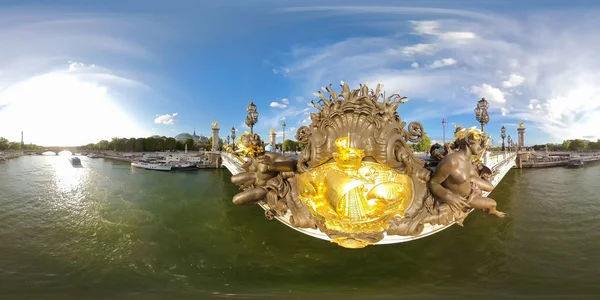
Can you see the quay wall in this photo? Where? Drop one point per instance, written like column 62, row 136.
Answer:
column 10, row 154
column 548, row 164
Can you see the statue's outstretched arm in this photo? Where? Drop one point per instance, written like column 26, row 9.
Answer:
column 483, row 184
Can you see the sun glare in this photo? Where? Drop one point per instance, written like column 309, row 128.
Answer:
column 60, row 109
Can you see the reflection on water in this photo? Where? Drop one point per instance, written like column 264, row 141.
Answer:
column 68, row 181
column 106, row 231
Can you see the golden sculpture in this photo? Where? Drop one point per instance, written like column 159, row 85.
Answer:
column 521, row 124
column 272, row 130
column 354, row 196
column 357, row 180
column 215, row 124
column 249, row 145
column 477, row 135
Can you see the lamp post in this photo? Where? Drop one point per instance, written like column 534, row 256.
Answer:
column 227, row 140
column 481, row 113
column 252, row 116
column 233, row 138
column 282, row 142
column 444, row 125
column 503, row 135
column 509, row 143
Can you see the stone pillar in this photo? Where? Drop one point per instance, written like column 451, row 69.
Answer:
column 215, row 136
column 521, row 131
column 272, row 138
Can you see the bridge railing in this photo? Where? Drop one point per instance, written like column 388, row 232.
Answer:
column 492, row 161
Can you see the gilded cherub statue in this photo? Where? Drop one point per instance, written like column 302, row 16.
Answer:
column 521, row 124
column 215, row 124
column 456, row 180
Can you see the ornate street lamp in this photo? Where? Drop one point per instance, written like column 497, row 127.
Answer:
column 481, row 113
column 252, row 117
column 283, row 126
column 509, row 143
column 233, row 138
column 444, row 125
column 227, row 140
column 503, row 135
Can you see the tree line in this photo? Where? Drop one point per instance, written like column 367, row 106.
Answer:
column 6, row 145
column 149, row 144
column 571, row 145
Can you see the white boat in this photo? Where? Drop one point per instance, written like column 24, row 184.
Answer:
column 151, row 165
column 186, row 166
column 93, row 155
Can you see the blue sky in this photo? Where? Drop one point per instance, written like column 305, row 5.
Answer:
column 73, row 72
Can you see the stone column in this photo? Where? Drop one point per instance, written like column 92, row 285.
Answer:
column 272, row 138
column 521, row 132
column 215, row 136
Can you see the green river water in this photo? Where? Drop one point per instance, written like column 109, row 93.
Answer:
column 107, row 231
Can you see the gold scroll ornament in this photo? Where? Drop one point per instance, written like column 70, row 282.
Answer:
column 354, row 196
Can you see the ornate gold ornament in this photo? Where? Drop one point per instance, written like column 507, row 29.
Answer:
column 357, row 179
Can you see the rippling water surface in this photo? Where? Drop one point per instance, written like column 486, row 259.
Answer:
column 107, row 230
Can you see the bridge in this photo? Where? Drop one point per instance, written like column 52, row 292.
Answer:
column 59, row 149
column 499, row 163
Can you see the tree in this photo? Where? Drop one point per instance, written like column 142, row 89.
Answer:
column 189, row 143
column 576, row 145
column 150, row 144
column 289, row 145
column 424, row 144
column 180, row 146
column 139, row 145
column 3, row 143
column 170, row 144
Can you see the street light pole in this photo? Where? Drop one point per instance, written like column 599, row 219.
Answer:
column 252, row 117
column 282, row 142
column 444, row 125
column 481, row 113
column 233, row 138
column 503, row 135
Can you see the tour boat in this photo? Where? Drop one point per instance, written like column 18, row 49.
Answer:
column 75, row 161
column 151, row 165
column 93, row 155
column 184, row 167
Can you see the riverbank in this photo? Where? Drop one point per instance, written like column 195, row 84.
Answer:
column 133, row 157
column 6, row 155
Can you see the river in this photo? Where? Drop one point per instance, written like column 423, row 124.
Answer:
column 107, row 231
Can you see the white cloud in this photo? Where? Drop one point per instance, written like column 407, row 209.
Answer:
column 440, row 63
column 534, row 104
column 56, row 72
column 419, row 49
column 166, row 119
column 285, row 101
column 513, row 81
column 488, row 92
column 415, row 65
column 504, row 53
column 426, row 27
column 278, row 105
column 275, row 71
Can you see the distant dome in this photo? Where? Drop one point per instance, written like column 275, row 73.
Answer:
column 185, row 136
column 269, row 148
